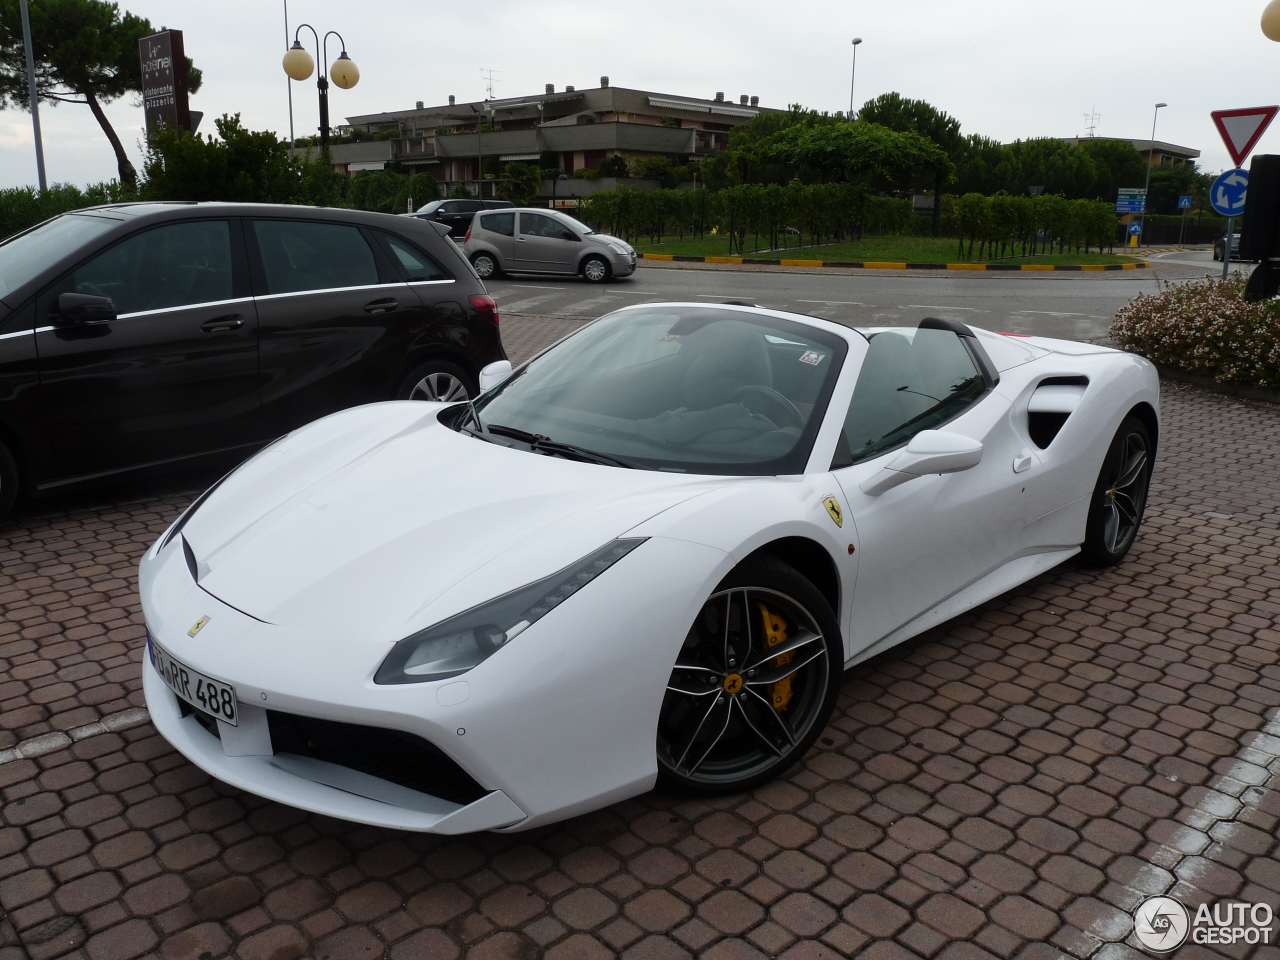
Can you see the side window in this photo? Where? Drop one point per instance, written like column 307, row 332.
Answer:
column 451, row 207
column 470, row 206
column 300, row 255
column 171, row 266
column 414, row 264
column 911, row 380
column 536, row 225
column 503, row 223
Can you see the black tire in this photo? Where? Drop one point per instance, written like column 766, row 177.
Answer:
column 438, row 380
column 8, row 481
column 1119, row 497
column 486, row 266
column 767, row 717
column 596, row 270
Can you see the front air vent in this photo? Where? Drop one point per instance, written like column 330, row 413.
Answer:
column 1052, row 404
column 392, row 755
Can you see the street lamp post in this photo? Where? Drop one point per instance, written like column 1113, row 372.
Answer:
column 32, row 93
column 853, row 74
column 298, row 65
column 1151, row 156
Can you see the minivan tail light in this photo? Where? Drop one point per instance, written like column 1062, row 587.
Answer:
column 485, row 306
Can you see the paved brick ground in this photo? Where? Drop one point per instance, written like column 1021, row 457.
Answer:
column 1011, row 784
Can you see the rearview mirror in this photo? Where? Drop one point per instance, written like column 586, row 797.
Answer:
column 930, row 451
column 493, row 374
column 85, row 308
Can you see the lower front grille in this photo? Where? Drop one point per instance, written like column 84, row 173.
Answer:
column 402, row 758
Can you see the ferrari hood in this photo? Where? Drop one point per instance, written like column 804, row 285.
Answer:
column 378, row 521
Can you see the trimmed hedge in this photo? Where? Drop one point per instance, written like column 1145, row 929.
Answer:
column 1205, row 327
column 22, row 207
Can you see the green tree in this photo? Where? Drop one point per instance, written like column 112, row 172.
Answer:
column 85, row 51
column 846, row 151
column 896, row 112
column 523, row 182
column 242, row 166
column 1116, row 164
column 1172, row 180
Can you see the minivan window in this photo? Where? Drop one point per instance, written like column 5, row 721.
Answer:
column 300, row 255
column 539, row 225
column 176, row 265
column 503, row 223
column 414, row 264
column 23, row 257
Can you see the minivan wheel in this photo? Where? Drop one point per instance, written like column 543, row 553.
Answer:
column 596, row 270
column 8, row 481
column 438, row 380
column 486, row 266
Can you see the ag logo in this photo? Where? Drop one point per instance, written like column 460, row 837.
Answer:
column 197, row 626
column 833, row 508
column 1161, row 924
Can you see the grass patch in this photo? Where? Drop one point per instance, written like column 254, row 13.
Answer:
column 891, row 249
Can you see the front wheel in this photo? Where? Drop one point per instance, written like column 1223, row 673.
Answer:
column 754, row 684
column 1119, row 497
column 596, row 270
column 486, row 266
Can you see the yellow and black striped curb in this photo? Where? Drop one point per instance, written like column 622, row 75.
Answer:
column 894, row 265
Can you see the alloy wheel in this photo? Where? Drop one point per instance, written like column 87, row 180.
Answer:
column 442, row 387
column 1126, row 495
column 747, row 689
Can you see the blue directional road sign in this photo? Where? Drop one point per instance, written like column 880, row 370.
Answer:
column 1135, row 228
column 1184, row 203
column 1131, row 200
column 1227, row 193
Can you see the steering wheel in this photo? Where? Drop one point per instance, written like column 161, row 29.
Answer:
column 789, row 415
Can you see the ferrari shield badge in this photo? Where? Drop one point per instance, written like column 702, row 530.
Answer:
column 200, row 624
column 833, row 508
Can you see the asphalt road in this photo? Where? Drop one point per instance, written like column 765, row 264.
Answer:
column 1073, row 306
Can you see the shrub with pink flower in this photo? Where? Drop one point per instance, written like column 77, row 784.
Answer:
column 1205, row 327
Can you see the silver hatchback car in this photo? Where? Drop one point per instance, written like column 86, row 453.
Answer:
column 544, row 241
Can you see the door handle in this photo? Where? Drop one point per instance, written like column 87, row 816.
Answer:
column 519, row 239
column 385, row 305
column 222, row 324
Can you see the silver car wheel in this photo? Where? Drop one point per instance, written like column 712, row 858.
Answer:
column 595, row 270
column 485, row 266
column 441, row 387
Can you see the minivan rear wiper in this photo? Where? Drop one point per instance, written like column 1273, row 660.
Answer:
column 541, row 444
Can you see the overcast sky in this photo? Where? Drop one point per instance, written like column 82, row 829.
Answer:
column 1005, row 68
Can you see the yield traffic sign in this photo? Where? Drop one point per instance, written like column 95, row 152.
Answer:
column 1241, row 129
column 1227, row 194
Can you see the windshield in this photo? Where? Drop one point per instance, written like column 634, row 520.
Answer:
column 683, row 388
column 572, row 224
column 22, row 258
column 431, row 207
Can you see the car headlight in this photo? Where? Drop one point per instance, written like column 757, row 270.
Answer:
column 458, row 644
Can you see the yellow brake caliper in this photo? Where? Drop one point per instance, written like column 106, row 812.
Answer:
column 775, row 633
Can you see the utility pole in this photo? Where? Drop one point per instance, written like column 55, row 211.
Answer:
column 32, row 93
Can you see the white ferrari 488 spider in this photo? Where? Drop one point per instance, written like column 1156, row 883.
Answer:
column 646, row 555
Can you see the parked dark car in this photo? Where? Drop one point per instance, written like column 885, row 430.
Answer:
column 1220, row 244
column 457, row 214
column 138, row 336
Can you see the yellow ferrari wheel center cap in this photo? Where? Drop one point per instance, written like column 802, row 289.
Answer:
column 733, row 683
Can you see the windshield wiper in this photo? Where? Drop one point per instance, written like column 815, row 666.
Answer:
column 541, row 444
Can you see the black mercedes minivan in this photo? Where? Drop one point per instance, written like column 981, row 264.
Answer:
column 140, row 336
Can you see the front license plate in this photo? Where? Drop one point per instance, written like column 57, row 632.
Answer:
column 210, row 696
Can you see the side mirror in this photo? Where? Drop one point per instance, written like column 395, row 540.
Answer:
column 85, row 308
column 930, row 451
column 493, row 374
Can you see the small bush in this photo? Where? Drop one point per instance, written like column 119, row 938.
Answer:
column 1205, row 327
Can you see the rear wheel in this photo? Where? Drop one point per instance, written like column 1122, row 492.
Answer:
column 754, row 684
column 8, row 481
column 438, row 380
column 596, row 270
column 1119, row 497
column 486, row 265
